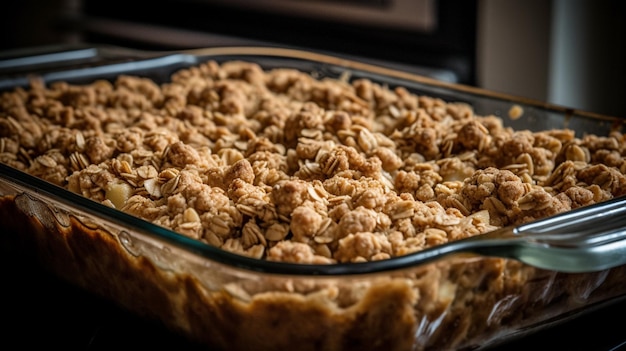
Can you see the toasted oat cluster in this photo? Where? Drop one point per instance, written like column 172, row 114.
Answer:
column 281, row 166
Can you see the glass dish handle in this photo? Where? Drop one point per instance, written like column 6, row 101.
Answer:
column 587, row 239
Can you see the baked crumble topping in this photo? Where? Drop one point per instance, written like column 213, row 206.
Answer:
column 280, row 166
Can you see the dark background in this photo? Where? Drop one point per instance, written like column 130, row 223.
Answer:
column 566, row 52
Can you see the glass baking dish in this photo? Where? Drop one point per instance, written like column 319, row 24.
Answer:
column 233, row 302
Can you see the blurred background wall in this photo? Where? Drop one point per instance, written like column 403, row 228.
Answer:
column 567, row 52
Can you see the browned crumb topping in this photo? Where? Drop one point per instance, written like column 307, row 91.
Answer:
column 280, row 166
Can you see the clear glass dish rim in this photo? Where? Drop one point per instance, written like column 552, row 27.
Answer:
column 206, row 251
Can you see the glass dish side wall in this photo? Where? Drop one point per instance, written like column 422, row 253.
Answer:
column 417, row 308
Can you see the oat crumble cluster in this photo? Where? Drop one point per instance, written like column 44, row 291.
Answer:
column 281, row 166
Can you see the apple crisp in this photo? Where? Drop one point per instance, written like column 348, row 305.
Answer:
column 278, row 165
